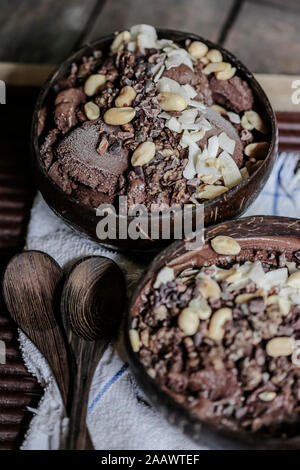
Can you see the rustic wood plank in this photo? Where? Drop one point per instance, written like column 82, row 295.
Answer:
column 205, row 17
column 43, row 31
column 266, row 39
column 291, row 4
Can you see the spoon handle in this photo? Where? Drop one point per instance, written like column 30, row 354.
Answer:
column 89, row 354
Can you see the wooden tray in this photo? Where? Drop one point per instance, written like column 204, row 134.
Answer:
column 17, row 388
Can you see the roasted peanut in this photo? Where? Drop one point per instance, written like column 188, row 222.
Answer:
column 217, row 322
column 197, row 49
column 216, row 67
column 171, row 101
column 214, row 55
column 226, row 74
column 188, row 321
column 119, row 116
column 92, row 111
column 143, row 154
column 209, row 288
column 280, row 346
column 93, row 83
column 134, row 340
column 256, row 121
column 224, row 245
column 126, row 97
column 257, row 149
column 119, row 41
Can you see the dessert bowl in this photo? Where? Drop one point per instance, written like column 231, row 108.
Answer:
column 168, row 347
column 80, row 215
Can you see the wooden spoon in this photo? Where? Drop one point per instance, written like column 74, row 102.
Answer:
column 31, row 289
column 92, row 303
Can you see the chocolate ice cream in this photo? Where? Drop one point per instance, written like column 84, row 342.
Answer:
column 164, row 123
column 222, row 337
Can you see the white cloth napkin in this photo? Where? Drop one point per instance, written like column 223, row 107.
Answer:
column 118, row 414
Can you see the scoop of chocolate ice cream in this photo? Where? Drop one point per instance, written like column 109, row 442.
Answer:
column 78, row 154
column 65, row 104
column 234, row 94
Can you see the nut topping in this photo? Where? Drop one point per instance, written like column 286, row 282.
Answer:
column 144, row 153
column 126, row 97
column 197, row 49
column 217, row 322
column 280, row 346
column 94, row 83
column 119, row 116
column 171, row 101
column 224, row 245
column 188, row 321
column 92, row 111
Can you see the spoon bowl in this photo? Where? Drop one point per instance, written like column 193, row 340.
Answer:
column 31, row 289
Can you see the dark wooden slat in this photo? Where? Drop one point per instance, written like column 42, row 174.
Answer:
column 283, row 4
column 43, row 31
column 205, row 17
column 266, row 39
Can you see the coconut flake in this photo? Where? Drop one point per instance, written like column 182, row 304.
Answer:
column 188, row 116
column 174, row 125
column 226, row 143
column 229, row 169
column 143, row 29
column 190, row 91
column 164, row 276
column 169, row 85
column 234, row 117
column 177, row 57
column 276, row 276
column 213, row 146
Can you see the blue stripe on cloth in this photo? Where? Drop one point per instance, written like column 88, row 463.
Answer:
column 107, row 386
column 277, row 189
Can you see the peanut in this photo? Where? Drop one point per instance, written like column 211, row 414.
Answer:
column 216, row 67
column 134, row 340
column 214, row 55
column 267, row 396
column 188, row 321
column 93, row 83
column 92, row 111
column 226, row 74
column 197, row 49
column 243, row 298
column 209, row 288
column 119, row 40
column 210, row 191
column 171, row 101
column 246, row 124
column 294, row 280
column 257, row 149
column 126, row 97
column 224, row 245
column 119, row 116
column 217, row 322
column 143, row 154
column 256, row 121
column 280, row 346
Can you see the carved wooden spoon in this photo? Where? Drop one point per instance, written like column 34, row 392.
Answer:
column 32, row 285
column 92, row 303
column 31, row 290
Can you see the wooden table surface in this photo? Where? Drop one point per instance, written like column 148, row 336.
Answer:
column 265, row 34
